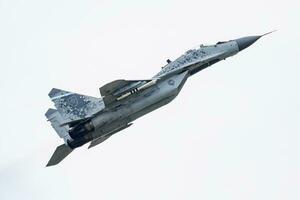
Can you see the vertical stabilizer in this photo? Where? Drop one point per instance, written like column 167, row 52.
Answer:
column 59, row 154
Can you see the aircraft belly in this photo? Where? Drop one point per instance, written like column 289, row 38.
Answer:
column 150, row 108
column 165, row 92
column 149, row 100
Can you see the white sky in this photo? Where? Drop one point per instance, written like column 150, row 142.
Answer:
column 232, row 133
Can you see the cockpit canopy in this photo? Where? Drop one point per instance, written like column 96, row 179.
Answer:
column 222, row 42
column 200, row 46
column 209, row 45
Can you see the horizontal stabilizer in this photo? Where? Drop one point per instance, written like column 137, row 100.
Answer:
column 73, row 106
column 59, row 154
column 56, row 122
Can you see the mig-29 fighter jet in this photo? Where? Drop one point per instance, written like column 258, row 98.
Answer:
column 79, row 119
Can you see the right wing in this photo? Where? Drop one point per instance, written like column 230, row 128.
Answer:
column 111, row 91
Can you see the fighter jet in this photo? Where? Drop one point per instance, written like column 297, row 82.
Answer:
column 79, row 119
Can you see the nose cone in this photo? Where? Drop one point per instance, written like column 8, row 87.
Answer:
column 245, row 42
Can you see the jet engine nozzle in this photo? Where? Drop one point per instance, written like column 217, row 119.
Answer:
column 81, row 130
column 79, row 141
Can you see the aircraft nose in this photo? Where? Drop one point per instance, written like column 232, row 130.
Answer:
column 245, row 42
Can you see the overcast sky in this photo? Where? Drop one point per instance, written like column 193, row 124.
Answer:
column 232, row 133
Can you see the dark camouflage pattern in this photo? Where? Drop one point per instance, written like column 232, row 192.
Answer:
column 74, row 106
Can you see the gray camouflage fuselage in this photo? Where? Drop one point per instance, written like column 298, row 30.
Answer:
column 80, row 119
column 170, row 81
